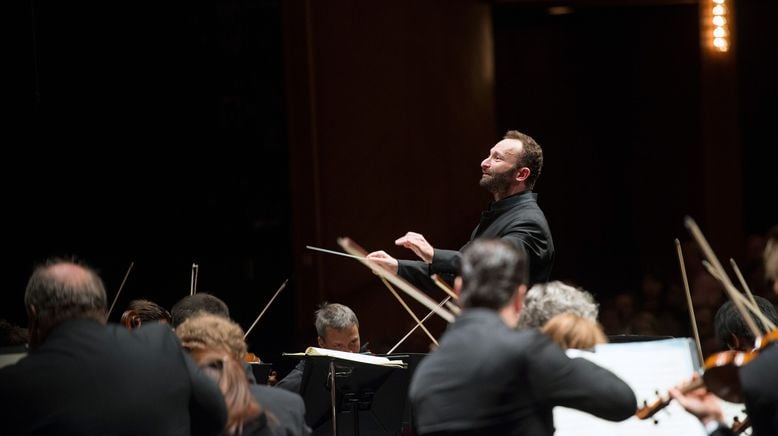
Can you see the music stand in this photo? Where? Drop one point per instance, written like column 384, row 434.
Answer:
column 347, row 397
column 412, row 359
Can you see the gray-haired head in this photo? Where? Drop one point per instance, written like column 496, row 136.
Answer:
column 335, row 316
column 546, row 300
column 61, row 290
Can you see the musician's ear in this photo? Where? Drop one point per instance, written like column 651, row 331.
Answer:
column 458, row 285
column 734, row 342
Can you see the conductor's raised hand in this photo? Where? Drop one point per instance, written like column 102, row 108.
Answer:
column 419, row 245
column 384, row 260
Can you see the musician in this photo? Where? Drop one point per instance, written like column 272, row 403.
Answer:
column 546, row 300
column 487, row 378
column 144, row 311
column 337, row 328
column 509, row 173
column 83, row 377
column 245, row 417
column 284, row 411
column 757, row 378
column 202, row 303
column 731, row 330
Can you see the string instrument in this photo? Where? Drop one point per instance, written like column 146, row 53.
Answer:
column 739, row 426
column 252, row 358
column 720, row 377
column 272, row 375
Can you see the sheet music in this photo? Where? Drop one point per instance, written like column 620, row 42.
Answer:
column 354, row 357
column 646, row 367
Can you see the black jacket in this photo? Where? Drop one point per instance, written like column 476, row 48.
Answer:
column 285, row 410
column 516, row 219
column 294, row 379
column 759, row 381
column 92, row 379
column 486, row 378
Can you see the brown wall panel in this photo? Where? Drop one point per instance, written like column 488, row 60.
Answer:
column 402, row 98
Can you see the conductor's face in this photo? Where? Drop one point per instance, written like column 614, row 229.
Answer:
column 499, row 168
column 346, row 339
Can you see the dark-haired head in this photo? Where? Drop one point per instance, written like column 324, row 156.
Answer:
column 494, row 276
column 200, row 302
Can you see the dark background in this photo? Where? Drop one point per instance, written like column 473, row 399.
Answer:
column 232, row 133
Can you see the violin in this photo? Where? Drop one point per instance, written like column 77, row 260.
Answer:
column 720, row 377
column 253, row 359
column 721, row 369
column 739, row 426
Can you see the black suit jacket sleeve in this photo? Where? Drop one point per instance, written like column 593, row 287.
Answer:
column 557, row 380
column 525, row 236
column 416, row 273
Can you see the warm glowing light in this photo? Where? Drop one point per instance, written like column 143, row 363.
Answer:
column 720, row 32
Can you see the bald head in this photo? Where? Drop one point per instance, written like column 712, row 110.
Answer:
column 62, row 290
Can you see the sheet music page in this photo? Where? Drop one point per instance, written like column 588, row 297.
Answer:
column 646, row 367
column 354, row 357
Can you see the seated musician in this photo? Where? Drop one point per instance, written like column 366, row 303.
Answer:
column 83, row 377
column 244, row 415
column 197, row 304
column 140, row 312
column 486, row 378
column 758, row 380
column 731, row 330
column 337, row 327
column 285, row 411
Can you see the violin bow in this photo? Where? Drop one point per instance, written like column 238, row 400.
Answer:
column 354, row 249
column 722, row 275
column 769, row 325
column 689, row 300
column 193, row 279
column 742, row 281
column 127, row 274
column 388, row 286
column 443, row 285
column 408, row 309
column 420, row 323
column 283, row 285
